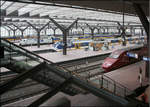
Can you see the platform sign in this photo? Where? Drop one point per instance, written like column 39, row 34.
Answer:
column 146, row 58
column 133, row 55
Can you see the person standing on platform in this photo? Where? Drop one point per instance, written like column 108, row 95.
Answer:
column 140, row 76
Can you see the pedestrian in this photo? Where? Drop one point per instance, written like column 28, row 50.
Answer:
column 140, row 76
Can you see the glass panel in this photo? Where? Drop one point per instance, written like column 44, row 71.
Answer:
column 20, row 55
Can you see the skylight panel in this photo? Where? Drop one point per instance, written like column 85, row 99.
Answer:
column 15, row 6
column 6, row 5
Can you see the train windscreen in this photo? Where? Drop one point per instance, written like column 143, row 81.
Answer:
column 115, row 54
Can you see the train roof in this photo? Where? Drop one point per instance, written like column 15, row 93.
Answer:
column 129, row 48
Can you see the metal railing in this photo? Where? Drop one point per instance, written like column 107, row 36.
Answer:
column 112, row 86
column 21, row 51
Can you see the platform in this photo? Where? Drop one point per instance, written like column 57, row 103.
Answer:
column 128, row 75
column 78, row 54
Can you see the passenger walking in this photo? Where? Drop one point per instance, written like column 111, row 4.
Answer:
column 140, row 76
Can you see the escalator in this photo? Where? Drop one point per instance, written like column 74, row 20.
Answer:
column 19, row 60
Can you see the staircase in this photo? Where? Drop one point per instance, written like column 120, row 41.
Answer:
column 19, row 60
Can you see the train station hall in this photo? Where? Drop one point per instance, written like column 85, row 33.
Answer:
column 74, row 53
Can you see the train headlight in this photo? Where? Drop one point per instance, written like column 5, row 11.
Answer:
column 108, row 64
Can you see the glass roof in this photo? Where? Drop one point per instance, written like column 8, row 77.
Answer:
column 55, row 11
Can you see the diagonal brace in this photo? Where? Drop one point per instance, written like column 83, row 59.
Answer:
column 50, row 94
column 18, row 79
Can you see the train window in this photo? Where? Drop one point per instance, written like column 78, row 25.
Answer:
column 115, row 54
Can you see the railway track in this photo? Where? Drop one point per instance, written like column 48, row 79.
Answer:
column 22, row 93
column 7, row 77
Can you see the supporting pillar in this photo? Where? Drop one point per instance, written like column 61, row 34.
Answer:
column 145, row 24
column 92, row 32
column 22, row 30
column 82, row 31
column 119, row 30
column 65, row 34
column 54, row 30
column 123, row 33
column 45, row 31
column 98, row 31
column 103, row 30
column 38, row 30
column 142, row 32
column 38, row 38
column 131, row 31
column 14, row 31
column 65, row 31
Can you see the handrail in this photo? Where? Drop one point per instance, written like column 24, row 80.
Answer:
column 27, row 51
column 117, row 82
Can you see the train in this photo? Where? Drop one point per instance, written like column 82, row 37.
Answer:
column 33, row 41
column 119, row 57
column 71, row 43
column 97, row 44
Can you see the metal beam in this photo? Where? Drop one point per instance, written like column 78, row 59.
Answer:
column 142, row 17
column 65, row 31
column 58, row 25
column 92, row 30
column 48, row 95
column 15, row 13
column 19, row 79
column 38, row 30
column 73, row 24
column 145, row 24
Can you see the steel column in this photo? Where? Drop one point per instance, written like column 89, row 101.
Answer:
column 142, row 31
column 145, row 24
column 48, row 95
column 38, row 30
column 119, row 30
column 92, row 33
column 82, row 30
column 38, row 38
column 98, row 31
column 65, row 34
column 65, row 31
column 54, row 30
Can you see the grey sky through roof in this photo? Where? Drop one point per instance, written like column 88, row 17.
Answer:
column 55, row 11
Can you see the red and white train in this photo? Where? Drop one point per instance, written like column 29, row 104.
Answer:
column 119, row 58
